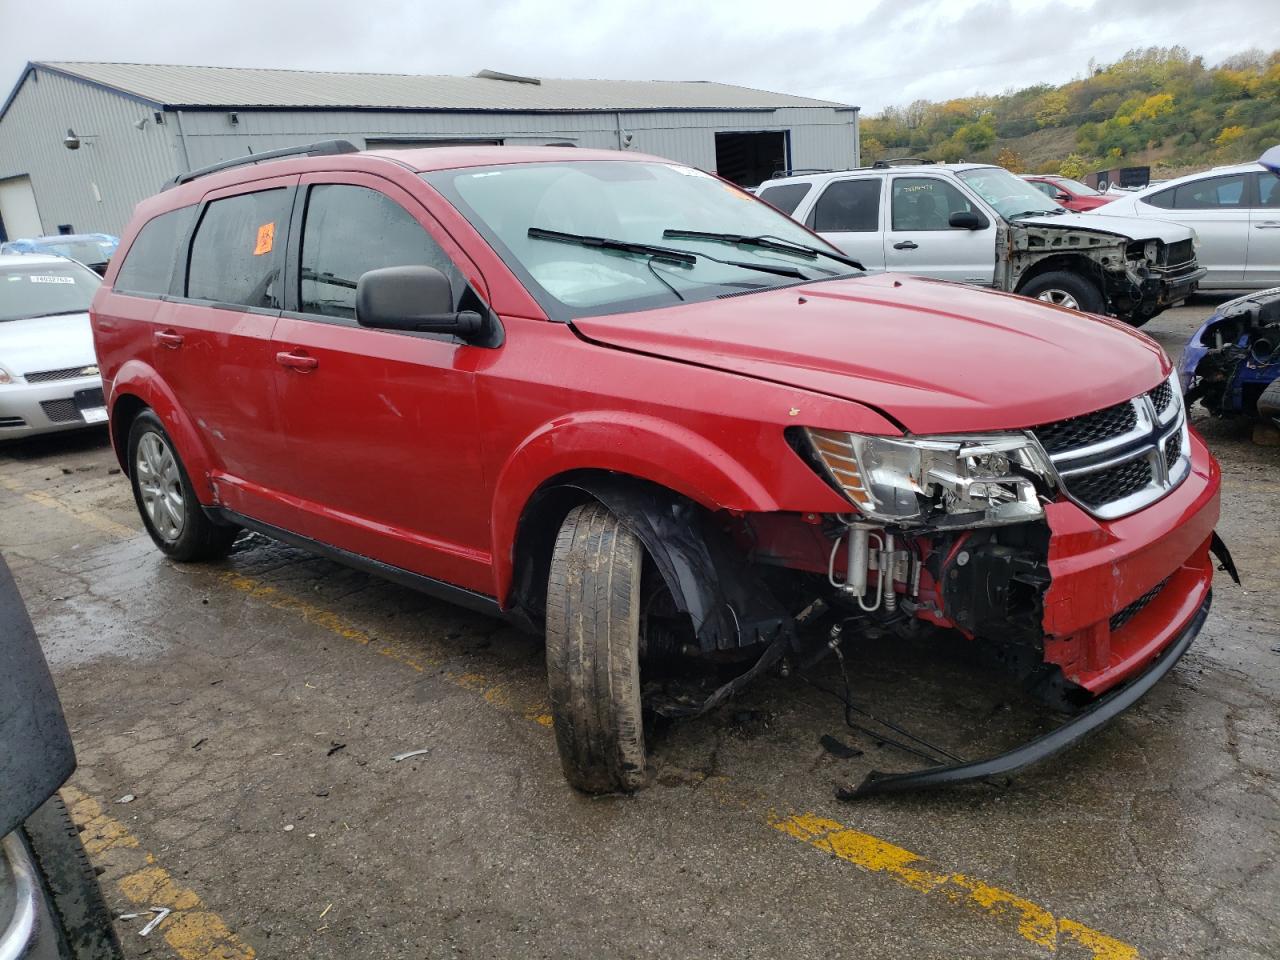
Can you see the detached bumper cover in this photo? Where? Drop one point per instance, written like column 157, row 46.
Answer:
column 1097, row 715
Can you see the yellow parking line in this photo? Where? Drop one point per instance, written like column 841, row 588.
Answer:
column 88, row 517
column 193, row 932
column 1031, row 921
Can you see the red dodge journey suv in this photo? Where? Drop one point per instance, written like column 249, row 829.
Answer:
column 621, row 401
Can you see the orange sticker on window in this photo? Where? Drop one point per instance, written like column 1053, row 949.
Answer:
column 266, row 236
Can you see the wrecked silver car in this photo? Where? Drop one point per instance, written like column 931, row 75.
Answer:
column 979, row 224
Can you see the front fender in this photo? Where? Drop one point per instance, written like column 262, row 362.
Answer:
column 636, row 445
column 138, row 379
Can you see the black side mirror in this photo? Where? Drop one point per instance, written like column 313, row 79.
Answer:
column 968, row 220
column 412, row 298
column 1062, row 197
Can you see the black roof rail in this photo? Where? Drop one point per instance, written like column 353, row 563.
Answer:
column 321, row 148
column 799, row 172
column 899, row 161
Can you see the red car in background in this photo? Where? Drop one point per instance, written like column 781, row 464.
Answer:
column 1072, row 194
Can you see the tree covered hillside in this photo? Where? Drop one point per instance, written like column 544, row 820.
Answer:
column 1159, row 106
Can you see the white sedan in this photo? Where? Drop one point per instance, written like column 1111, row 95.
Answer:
column 1235, row 212
column 48, row 371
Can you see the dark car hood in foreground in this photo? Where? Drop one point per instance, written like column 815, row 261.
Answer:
column 938, row 357
column 35, row 747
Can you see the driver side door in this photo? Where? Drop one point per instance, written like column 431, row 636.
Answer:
column 921, row 240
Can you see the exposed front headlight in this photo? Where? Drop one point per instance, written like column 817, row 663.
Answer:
column 970, row 480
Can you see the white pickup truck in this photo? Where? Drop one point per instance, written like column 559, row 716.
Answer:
column 980, row 224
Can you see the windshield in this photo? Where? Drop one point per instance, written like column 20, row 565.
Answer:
column 86, row 251
column 1011, row 196
column 640, row 204
column 1076, row 187
column 42, row 290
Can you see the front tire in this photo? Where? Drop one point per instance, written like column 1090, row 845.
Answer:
column 1064, row 288
column 71, row 887
column 593, row 656
column 168, row 506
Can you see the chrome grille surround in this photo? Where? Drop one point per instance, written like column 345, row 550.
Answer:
column 1143, row 460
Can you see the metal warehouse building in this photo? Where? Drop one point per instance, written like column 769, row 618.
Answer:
column 81, row 143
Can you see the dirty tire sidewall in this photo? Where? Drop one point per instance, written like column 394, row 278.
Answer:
column 593, row 660
column 1083, row 290
column 201, row 538
column 83, row 920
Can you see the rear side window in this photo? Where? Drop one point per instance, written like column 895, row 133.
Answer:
column 849, row 206
column 786, row 197
column 235, row 255
column 351, row 230
column 1212, row 193
column 148, row 267
column 924, row 203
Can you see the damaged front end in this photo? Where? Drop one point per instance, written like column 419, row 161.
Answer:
column 1138, row 278
column 1075, row 554
column 1231, row 365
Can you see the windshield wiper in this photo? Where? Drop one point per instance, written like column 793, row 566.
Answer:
column 764, row 242
column 607, row 243
column 1036, row 213
column 682, row 257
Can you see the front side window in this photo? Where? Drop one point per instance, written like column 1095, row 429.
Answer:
column 351, row 230
column 235, row 252
column 581, row 234
column 849, row 206
column 1268, row 190
column 785, row 197
column 45, row 290
column 148, row 266
column 1050, row 190
column 926, row 203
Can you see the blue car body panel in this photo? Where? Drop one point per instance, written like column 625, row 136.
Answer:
column 1243, row 361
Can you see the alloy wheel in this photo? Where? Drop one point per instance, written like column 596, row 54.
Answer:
column 160, row 486
column 1059, row 298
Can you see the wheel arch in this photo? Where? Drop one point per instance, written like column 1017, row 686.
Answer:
column 138, row 387
column 1069, row 262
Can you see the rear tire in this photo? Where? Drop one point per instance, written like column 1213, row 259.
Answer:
column 71, row 886
column 593, row 657
column 1064, row 288
column 168, row 506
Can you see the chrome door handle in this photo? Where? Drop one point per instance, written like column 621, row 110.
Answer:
column 297, row 361
column 906, row 245
column 1266, row 226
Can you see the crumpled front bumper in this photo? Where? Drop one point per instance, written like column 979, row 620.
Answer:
column 1124, row 590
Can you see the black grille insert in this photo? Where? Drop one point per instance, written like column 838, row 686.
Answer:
column 1179, row 252
column 1112, row 484
column 1088, row 429
column 60, row 411
column 1162, row 396
column 1118, row 620
column 48, row 376
column 1172, row 451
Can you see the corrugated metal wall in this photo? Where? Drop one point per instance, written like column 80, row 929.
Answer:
column 93, row 188
column 820, row 137
column 96, row 187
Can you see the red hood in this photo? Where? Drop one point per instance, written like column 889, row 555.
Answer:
column 938, row 357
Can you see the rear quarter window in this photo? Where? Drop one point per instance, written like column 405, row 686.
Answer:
column 235, row 254
column 785, row 197
column 148, row 266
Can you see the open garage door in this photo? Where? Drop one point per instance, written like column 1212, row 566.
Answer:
column 18, row 214
column 749, row 159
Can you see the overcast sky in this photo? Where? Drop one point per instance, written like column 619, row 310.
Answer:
column 868, row 54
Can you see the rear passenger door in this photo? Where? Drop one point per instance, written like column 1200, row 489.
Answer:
column 382, row 434
column 921, row 240
column 848, row 213
column 1262, row 268
column 212, row 338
